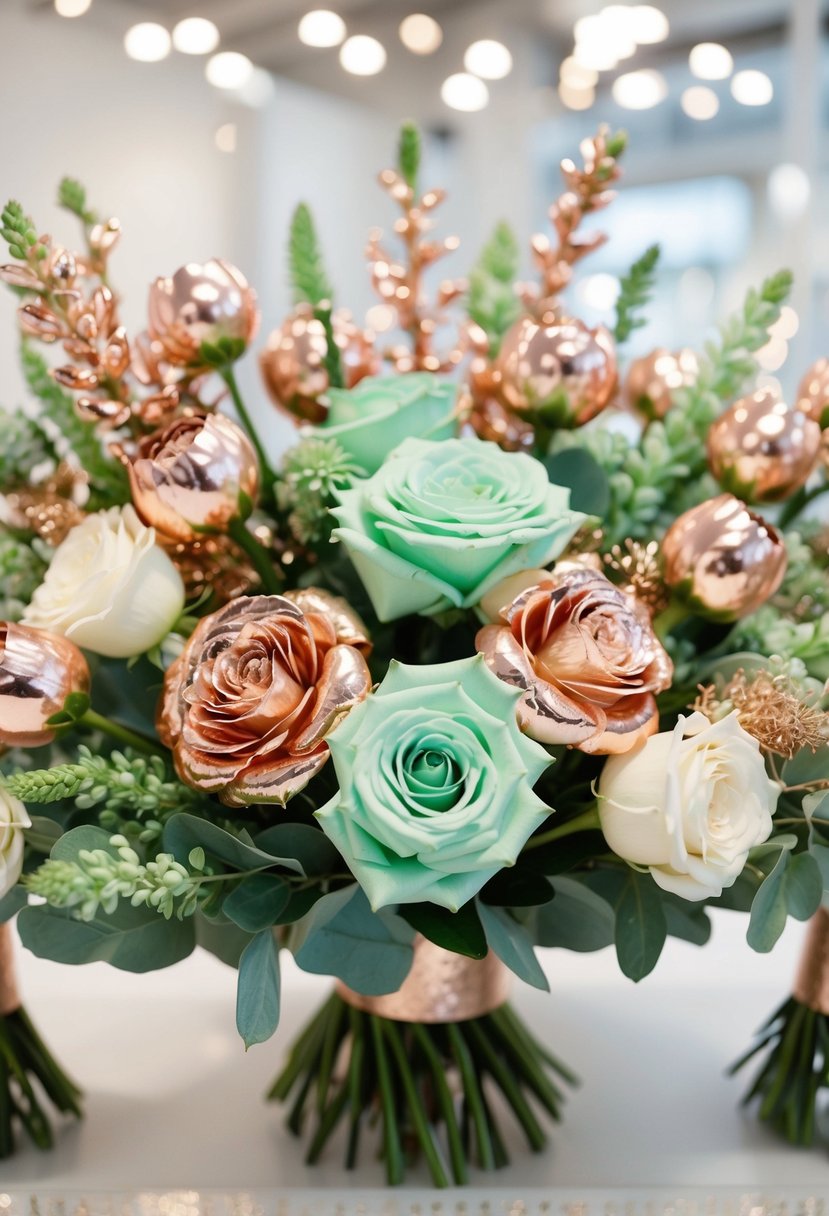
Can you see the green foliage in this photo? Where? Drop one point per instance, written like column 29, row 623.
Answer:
column 333, row 362
column 24, row 445
column 585, row 477
column 793, row 888
column 640, row 926
column 132, row 939
column 18, row 231
column 183, row 833
column 22, row 567
column 312, row 472
column 308, row 277
column 369, row 951
column 257, row 902
column 461, row 931
column 513, row 944
column 258, row 989
column 635, row 289
column 308, row 845
column 576, row 919
column 409, row 153
column 616, row 144
column 492, row 302
column 72, row 196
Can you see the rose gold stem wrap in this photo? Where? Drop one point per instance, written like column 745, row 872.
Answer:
column 812, row 984
column 441, row 987
column 9, row 995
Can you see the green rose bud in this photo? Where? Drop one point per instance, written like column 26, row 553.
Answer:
column 435, row 784
column 381, row 411
column 440, row 523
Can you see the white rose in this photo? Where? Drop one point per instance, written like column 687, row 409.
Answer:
column 13, row 819
column 689, row 805
column 109, row 588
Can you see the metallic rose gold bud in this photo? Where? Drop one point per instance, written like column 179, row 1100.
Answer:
column 20, row 276
column 561, row 372
column 158, row 409
column 40, row 322
column 489, row 420
column 201, row 304
column 722, row 559
column 102, row 410
column 116, row 357
column 79, row 379
column 813, row 392
column 63, row 267
column 38, row 671
column 190, row 475
column 104, row 237
column 762, row 449
column 653, row 380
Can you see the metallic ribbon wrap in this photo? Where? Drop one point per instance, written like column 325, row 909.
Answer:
column 441, row 987
column 9, row 995
column 812, row 984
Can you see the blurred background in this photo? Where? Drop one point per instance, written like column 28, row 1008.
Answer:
column 201, row 123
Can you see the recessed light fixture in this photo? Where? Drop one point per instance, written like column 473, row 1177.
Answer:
column 700, row 102
column 72, row 8
column 489, row 59
column 321, row 28
column 640, row 90
column 752, row 88
column 463, row 91
column 229, row 70
column 195, row 36
column 576, row 97
column 363, row 56
column 600, row 56
column 420, row 34
column 789, row 191
column 148, row 42
column 577, row 75
column 710, row 61
column 225, row 137
column 648, row 24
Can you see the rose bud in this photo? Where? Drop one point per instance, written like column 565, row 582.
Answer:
column 259, row 685
column 190, row 476
column 38, row 671
column 201, row 304
column 762, row 449
column 813, row 392
column 722, row 559
column 653, row 379
column 586, row 657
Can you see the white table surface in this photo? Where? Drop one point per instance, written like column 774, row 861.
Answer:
column 173, row 1101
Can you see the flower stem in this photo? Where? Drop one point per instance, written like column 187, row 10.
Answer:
column 122, row 734
column 798, row 502
column 268, row 475
column 586, row 822
column 258, row 554
column 665, row 622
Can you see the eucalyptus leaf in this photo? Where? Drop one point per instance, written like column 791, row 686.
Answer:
column 581, row 472
column 258, row 989
column 43, row 834
column 221, row 938
column 369, row 951
column 640, row 928
column 461, row 931
column 257, row 901
column 306, row 844
column 577, row 919
column 513, row 945
column 183, row 833
column 131, row 939
column 793, row 888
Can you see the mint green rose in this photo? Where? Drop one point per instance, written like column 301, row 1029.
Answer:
column 440, row 523
column 381, row 411
column 435, row 784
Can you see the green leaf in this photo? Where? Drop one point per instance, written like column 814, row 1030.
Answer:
column 517, row 886
column 12, row 902
column 577, row 919
column 256, row 902
column 635, row 289
column 220, row 937
column 88, row 836
column 309, row 846
column 182, row 833
column 131, row 939
column 685, row 920
column 461, row 931
column 588, row 483
column 369, row 951
column 408, row 154
column 43, row 834
column 308, row 278
column 640, row 929
column 493, row 303
column 72, row 196
column 258, row 989
column 793, row 888
column 816, row 809
column 513, row 945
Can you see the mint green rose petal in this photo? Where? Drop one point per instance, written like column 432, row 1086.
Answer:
column 370, row 420
column 439, row 523
column 436, row 784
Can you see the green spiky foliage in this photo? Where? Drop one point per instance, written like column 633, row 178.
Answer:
column 635, row 289
column 409, row 154
column 493, row 303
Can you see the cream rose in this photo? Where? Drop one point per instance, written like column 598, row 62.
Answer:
column 13, row 819
column 109, row 588
column 689, row 805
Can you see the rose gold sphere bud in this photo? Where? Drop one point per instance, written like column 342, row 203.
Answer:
column 560, row 373
column 762, row 449
column 653, row 380
column 813, row 392
column 38, row 671
column 722, row 559
column 201, row 304
column 189, row 477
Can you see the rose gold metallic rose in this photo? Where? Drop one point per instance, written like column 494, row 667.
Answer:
column 813, row 392
column 190, row 475
column 201, row 304
column 653, row 379
column 586, row 657
column 248, row 703
column 723, row 559
column 561, row 365
column 762, row 448
column 38, row 671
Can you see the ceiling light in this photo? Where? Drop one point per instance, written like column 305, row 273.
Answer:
column 488, row 59
column 577, row 75
column 576, row 97
column 786, row 325
column 599, row 56
column 640, row 90
column 226, row 137
column 195, row 36
column 614, row 26
column 321, row 28
column 599, row 291
column 363, row 56
column 700, row 102
column 229, row 70
column 464, row 92
column 420, row 34
column 752, row 88
column 648, row 24
column 789, row 190
column 147, row 42
column 710, row 61
column 773, row 355
column 72, row 8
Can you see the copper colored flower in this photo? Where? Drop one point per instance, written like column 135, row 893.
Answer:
column 201, row 304
column 653, row 379
column 190, row 475
column 724, row 560
column 38, row 671
column 259, row 685
column 587, row 658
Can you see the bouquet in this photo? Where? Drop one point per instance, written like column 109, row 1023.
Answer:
column 508, row 650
